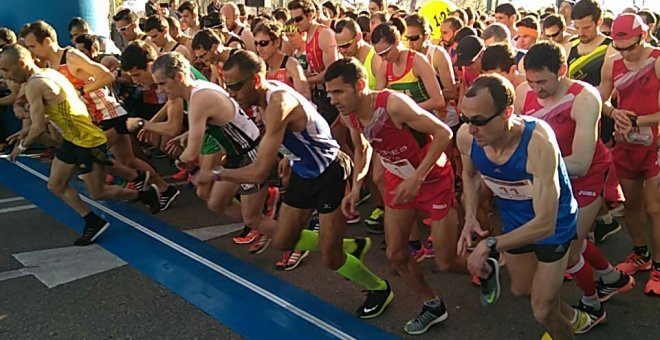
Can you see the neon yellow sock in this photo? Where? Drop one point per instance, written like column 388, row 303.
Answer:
column 308, row 240
column 357, row 272
column 349, row 245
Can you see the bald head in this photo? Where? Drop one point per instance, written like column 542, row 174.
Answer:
column 15, row 60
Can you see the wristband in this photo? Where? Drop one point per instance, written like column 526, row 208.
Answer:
column 217, row 171
column 21, row 147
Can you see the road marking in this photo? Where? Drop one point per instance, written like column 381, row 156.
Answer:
column 208, row 233
column 11, row 199
column 322, row 324
column 19, row 208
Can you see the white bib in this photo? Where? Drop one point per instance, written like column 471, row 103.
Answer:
column 402, row 169
column 511, row 190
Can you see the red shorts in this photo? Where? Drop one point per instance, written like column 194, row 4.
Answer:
column 435, row 198
column 634, row 163
column 601, row 181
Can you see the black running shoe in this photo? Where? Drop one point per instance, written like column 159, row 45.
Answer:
column 92, row 232
column 596, row 317
column 375, row 302
column 167, row 197
column 140, row 182
column 363, row 246
column 151, row 197
column 605, row 291
column 490, row 287
column 604, row 230
column 428, row 317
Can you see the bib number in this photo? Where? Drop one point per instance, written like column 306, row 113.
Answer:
column 510, row 190
column 402, row 169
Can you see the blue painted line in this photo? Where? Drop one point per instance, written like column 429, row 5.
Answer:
column 228, row 289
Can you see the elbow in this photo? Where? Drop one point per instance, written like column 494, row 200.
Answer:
column 548, row 226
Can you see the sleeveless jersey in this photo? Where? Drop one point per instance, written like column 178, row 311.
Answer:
column 407, row 83
column 70, row 117
column 302, row 59
column 314, row 52
column 587, row 67
column 638, row 92
column 558, row 116
column 313, row 149
column 238, row 137
column 371, row 77
column 280, row 73
column 514, row 187
column 401, row 150
column 233, row 37
column 101, row 104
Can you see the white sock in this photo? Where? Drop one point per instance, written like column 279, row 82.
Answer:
column 609, row 275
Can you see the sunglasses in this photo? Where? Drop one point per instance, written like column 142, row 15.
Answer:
column 298, row 19
column 123, row 29
column 627, row 48
column 346, row 44
column 553, row 35
column 384, row 52
column 262, row 43
column 479, row 121
column 237, row 85
column 412, row 38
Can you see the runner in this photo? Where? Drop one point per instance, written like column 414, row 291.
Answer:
column 520, row 161
column 351, row 44
column 230, row 11
column 52, row 99
column 190, row 17
column 554, row 28
column 158, row 30
column 208, row 47
column 418, row 179
column 127, row 22
column 318, row 179
column 508, row 15
column 634, row 72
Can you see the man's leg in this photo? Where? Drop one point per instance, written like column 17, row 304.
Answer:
column 547, row 282
column 652, row 200
column 521, row 269
column 220, row 200
column 58, row 183
column 635, row 218
column 123, row 151
column 445, row 239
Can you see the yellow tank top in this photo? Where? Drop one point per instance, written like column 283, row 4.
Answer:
column 370, row 72
column 70, row 117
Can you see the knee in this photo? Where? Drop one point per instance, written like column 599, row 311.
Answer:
column 520, row 291
column 216, row 205
column 543, row 311
column 398, row 256
column 55, row 188
column 443, row 263
column 653, row 209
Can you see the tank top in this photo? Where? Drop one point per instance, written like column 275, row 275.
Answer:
column 587, row 67
column 407, row 83
column 233, row 37
column 173, row 48
column 558, row 116
column 70, row 117
column 280, row 74
column 314, row 52
column 401, row 149
column 638, row 92
column 238, row 137
column 313, row 149
column 514, row 187
column 302, row 59
column 101, row 104
column 371, row 77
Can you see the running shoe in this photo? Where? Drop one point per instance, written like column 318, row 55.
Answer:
column 490, row 286
column 363, row 246
column 375, row 221
column 375, row 302
column 49, row 153
column 291, row 260
column 427, row 317
column 180, row 176
column 151, row 198
column 260, row 244
column 354, row 220
column 140, row 182
column 653, row 284
column 270, row 206
column 428, row 251
column 167, row 197
column 418, row 254
column 634, row 263
column 314, row 224
column 91, row 232
column 605, row 291
column 604, row 230
column 247, row 236
column 588, row 318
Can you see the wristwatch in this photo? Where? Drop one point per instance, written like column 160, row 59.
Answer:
column 491, row 243
column 140, row 123
column 633, row 120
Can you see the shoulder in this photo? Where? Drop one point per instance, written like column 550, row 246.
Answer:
column 464, row 139
column 543, row 141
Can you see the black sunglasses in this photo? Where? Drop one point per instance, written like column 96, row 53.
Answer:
column 237, row 85
column 299, row 18
column 412, row 38
column 479, row 121
column 262, row 43
column 553, row 35
column 628, row 48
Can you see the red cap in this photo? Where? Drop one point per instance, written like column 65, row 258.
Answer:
column 627, row 26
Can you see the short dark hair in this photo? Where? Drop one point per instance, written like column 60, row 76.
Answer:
column 470, row 13
column 16, row 52
column 454, row 22
column 347, row 23
column 137, row 55
column 349, row 69
column 498, row 31
column 188, row 5
column 330, row 6
column 381, row 16
column 204, row 39
column 241, row 9
column 41, row 30
column 88, row 41
column 247, row 62
column 554, row 20
column 460, row 13
column 363, row 23
column 416, row 20
column 506, row 9
column 385, row 32
column 156, row 22
column 307, row 6
column 379, row 3
column 464, row 32
column 173, row 22
column 7, row 35
column 529, row 22
column 79, row 23
column 170, row 63
column 498, row 56
column 394, row 7
column 399, row 24
column 500, row 89
column 545, row 55
column 647, row 16
column 126, row 15
column 586, row 8
column 281, row 14
column 270, row 28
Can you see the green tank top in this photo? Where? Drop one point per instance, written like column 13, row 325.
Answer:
column 370, row 73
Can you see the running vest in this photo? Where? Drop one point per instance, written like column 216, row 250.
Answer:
column 638, row 92
column 400, row 149
column 280, row 73
column 371, row 77
column 514, row 188
column 238, row 137
column 101, row 104
column 314, row 52
column 559, row 118
column 313, row 149
column 70, row 117
column 587, row 67
column 233, row 37
column 407, row 83
column 302, row 59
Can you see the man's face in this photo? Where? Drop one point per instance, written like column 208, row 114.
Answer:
column 482, row 107
column 525, row 41
column 544, row 83
column 265, row 52
column 414, row 38
column 373, row 8
column 141, row 77
column 210, row 57
column 39, row 50
column 554, row 33
column 229, row 15
column 343, row 96
column 75, row 33
column 505, row 19
column 565, row 9
column 385, row 50
column 14, row 71
column 89, row 53
column 157, row 37
column 188, row 18
column 447, row 35
column 302, row 20
column 126, row 29
column 347, row 43
column 607, row 30
column 630, row 49
column 241, row 87
column 170, row 86
column 587, row 29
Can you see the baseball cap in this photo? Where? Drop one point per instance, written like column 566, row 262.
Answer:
column 627, row 26
column 467, row 51
column 214, row 20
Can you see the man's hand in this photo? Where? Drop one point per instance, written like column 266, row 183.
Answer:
column 176, row 145
column 470, row 228
column 348, row 204
column 13, row 139
column 145, row 136
column 622, row 118
column 476, row 262
column 406, row 191
column 15, row 152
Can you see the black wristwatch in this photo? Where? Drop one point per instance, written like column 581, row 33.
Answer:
column 633, row 120
column 491, row 243
column 140, row 123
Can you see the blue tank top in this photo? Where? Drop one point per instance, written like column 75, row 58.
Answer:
column 513, row 187
column 313, row 149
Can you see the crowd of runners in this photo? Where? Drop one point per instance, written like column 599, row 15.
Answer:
column 288, row 120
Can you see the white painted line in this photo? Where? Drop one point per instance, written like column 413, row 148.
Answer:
column 19, row 208
column 11, row 199
column 14, row 274
column 211, row 265
column 209, row 233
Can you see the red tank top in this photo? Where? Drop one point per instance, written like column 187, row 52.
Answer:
column 280, row 73
column 638, row 91
column 558, row 116
column 400, row 150
column 314, row 52
column 468, row 76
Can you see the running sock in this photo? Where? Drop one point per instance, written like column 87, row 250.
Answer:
column 609, row 275
column 583, row 275
column 415, row 244
column 591, row 301
column 642, row 251
column 357, row 272
column 349, row 245
column 309, row 240
column 656, row 265
column 434, row 303
column 594, row 256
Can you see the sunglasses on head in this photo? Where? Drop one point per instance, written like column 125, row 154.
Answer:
column 384, row 52
column 627, row 48
column 237, row 85
column 479, row 121
column 412, row 38
column 262, row 43
column 298, row 19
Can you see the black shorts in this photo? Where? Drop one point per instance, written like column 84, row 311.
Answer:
column 83, row 158
column 322, row 101
column 323, row 193
column 118, row 123
column 544, row 252
column 235, row 162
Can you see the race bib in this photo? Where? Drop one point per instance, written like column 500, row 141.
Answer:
column 288, row 154
column 510, row 190
column 402, row 169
